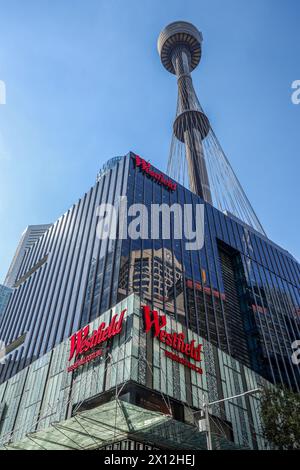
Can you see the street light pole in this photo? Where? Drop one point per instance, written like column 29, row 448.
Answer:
column 207, row 427
column 206, row 407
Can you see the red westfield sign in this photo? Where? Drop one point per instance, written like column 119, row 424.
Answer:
column 158, row 177
column 82, row 342
column 176, row 341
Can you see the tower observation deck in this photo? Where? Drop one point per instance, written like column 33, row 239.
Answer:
column 196, row 157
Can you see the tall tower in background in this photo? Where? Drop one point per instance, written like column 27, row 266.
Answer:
column 196, row 157
column 30, row 235
column 179, row 47
column 5, row 293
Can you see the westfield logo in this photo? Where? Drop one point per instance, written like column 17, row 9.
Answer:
column 158, row 177
column 176, row 341
column 82, row 342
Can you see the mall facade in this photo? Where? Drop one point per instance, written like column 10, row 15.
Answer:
column 237, row 296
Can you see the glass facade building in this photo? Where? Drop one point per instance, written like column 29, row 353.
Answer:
column 240, row 291
column 158, row 399
column 5, row 293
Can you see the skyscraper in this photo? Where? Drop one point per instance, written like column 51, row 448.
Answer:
column 5, row 293
column 240, row 291
column 30, row 235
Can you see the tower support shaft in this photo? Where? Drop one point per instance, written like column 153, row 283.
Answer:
column 192, row 123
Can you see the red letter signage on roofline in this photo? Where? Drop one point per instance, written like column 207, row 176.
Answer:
column 158, row 177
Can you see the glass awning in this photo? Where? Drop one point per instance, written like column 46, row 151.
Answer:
column 115, row 421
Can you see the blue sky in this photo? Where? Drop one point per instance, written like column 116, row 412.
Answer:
column 84, row 83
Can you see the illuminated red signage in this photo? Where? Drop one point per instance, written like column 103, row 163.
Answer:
column 158, row 177
column 82, row 342
column 176, row 341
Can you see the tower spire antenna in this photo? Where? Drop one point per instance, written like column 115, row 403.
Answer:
column 196, row 156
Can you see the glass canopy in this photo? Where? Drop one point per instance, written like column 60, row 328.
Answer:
column 115, row 421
